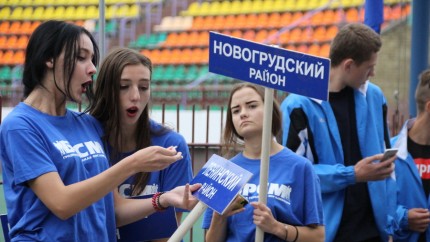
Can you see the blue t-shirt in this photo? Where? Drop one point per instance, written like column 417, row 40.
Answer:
column 33, row 143
column 177, row 174
column 293, row 195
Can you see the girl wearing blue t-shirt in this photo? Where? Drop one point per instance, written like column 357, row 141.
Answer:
column 57, row 180
column 122, row 96
column 294, row 209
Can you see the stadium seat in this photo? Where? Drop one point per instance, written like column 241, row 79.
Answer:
column 38, row 13
column 22, row 42
column 262, row 20
column 5, row 13
column 3, row 40
column 4, row 27
column 274, row 21
column 5, row 73
column 11, row 42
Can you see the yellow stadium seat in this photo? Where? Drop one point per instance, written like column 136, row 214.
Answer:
column 111, row 11
column 80, row 13
column 38, row 13
column 204, row 8
column 69, row 13
column 246, row 7
column 48, row 13
column 92, row 12
column 5, row 13
column 214, row 8
column 193, row 9
column 133, row 11
column 27, row 13
column 16, row 13
column 257, row 6
column 226, row 8
column 268, row 6
column 59, row 12
column 236, row 6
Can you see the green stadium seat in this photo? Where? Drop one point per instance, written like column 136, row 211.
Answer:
column 5, row 74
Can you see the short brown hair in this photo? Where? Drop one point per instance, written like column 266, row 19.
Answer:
column 354, row 41
column 422, row 93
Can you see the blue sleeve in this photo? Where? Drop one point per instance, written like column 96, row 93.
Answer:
column 207, row 218
column 33, row 158
column 335, row 177
column 313, row 202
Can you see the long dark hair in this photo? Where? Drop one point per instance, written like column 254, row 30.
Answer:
column 47, row 43
column 105, row 107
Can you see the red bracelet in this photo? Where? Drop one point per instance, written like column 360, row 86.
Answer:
column 156, row 202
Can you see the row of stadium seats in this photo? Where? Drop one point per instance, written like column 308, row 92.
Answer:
column 7, row 74
column 13, row 42
column 177, row 56
column 297, row 35
column 11, row 57
column 275, row 19
column 67, row 2
column 18, row 27
column 68, row 13
column 227, row 7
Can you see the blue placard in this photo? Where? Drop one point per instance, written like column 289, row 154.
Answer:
column 269, row 66
column 221, row 180
column 158, row 225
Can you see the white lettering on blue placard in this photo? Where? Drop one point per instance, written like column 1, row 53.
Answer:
column 269, row 66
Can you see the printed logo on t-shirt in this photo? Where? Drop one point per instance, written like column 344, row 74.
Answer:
column 280, row 192
column 85, row 150
column 423, row 166
column 125, row 190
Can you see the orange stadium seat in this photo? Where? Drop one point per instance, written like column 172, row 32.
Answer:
column 171, row 39
column 317, row 18
column 251, row 21
column 198, row 23
column 241, row 21
column 208, row 22
column 11, row 42
column 237, row 33
column 249, row 35
column 230, row 22
column 320, row 34
column 325, row 50
column 192, row 39
column 3, row 41
column 302, row 48
column 4, row 27
column 284, row 38
column 25, row 28
column 352, row 15
column 218, row 22
column 262, row 20
column 314, row 49
column 15, row 27
column 22, row 42
column 274, row 20
column 7, row 58
column 261, row 36
column 331, row 32
column 203, row 38
column 295, row 35
column 307, row 34
column 18, row 57
column 286, row 19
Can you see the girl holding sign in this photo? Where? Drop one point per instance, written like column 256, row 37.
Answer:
column 294, row 209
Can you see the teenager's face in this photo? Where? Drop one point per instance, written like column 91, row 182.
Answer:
column 84, row 69
column 359, row 74
column 134, row 93
column 247, row 112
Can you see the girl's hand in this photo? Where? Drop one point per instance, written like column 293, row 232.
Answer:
column 180, row 197
column 263, row 218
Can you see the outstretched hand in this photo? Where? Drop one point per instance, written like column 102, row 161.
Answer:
column 155, row 158
column 181, row 197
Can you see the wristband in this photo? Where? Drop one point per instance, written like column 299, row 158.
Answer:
column 156, row 202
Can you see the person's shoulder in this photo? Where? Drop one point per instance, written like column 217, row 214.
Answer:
column 287, row 154
column 18, row 118
column 163, row 131
column 373, row 88
column 294, row 100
